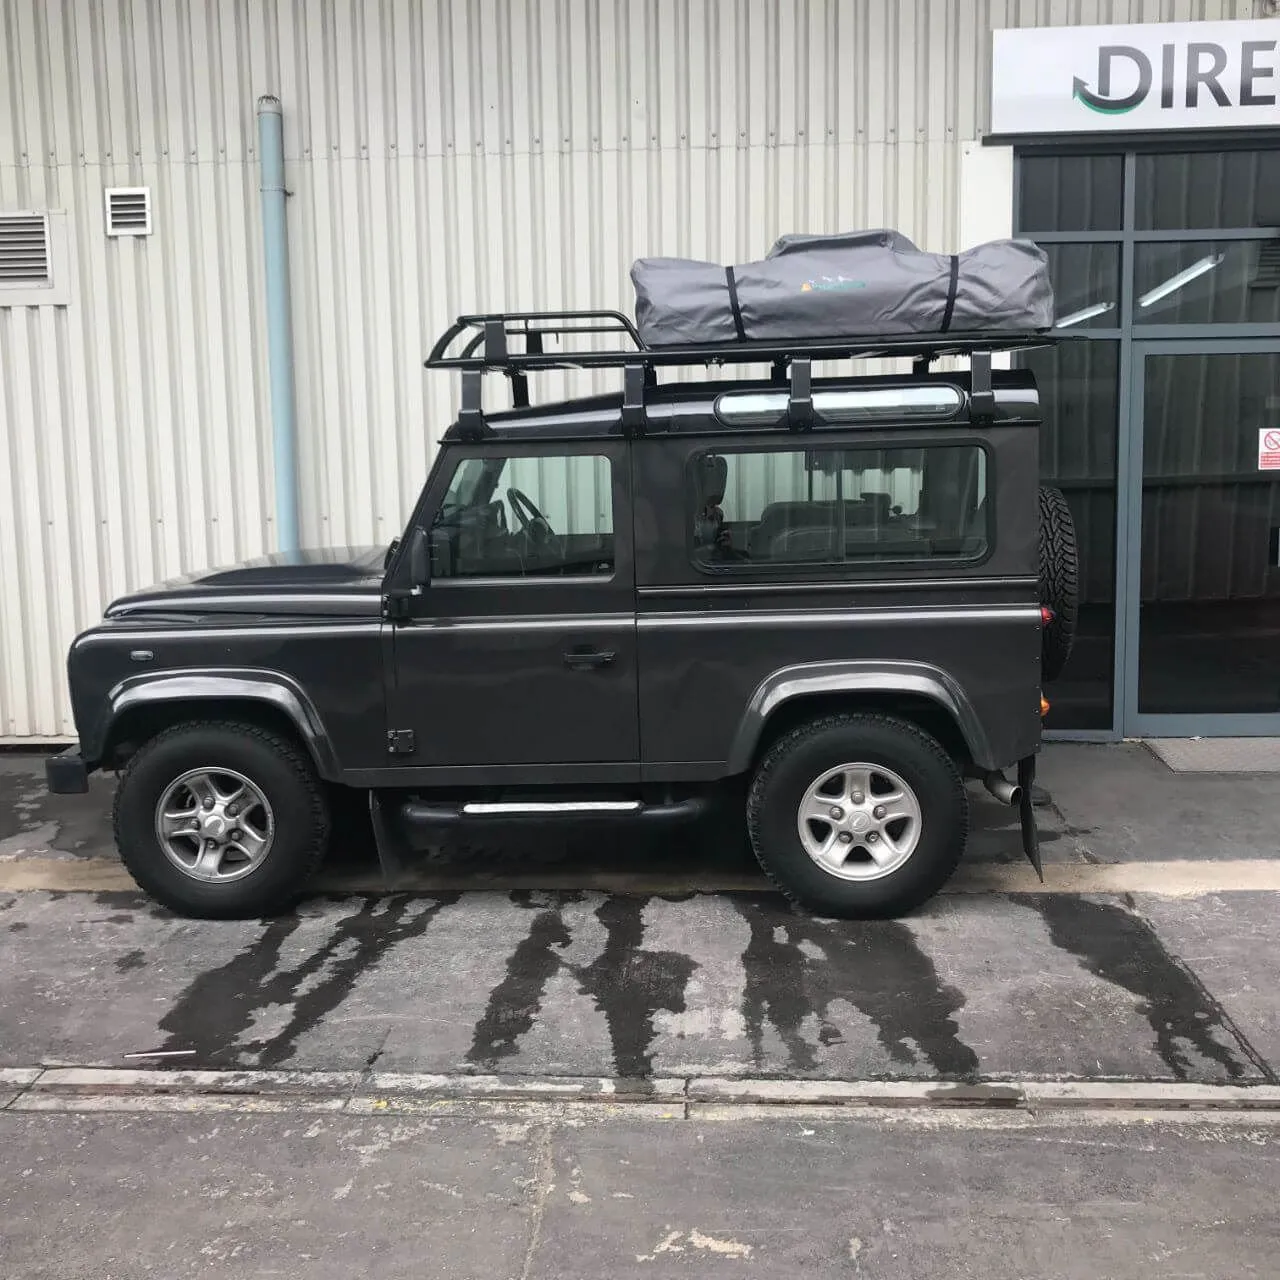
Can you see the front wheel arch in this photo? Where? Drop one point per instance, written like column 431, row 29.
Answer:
column 136, row 725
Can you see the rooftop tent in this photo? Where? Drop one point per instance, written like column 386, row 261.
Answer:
column 862, row 283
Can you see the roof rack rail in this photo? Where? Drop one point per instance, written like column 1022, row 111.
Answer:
column 515, row 343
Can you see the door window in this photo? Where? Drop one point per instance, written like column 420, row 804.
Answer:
column 521, row 517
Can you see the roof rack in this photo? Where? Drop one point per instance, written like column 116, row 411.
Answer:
column 514, row 343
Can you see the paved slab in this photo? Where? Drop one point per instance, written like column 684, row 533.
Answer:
column 318, row 1197
column 1120, row 803
column 131, row 1197
column 586, row 984
column 1232, row 943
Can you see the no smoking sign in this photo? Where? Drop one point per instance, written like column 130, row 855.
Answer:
column 1269, row 449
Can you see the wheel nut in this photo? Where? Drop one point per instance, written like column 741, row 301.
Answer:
column 235, row 833
column 232, row 810
column 857, row 797
column 836, row 812
column 879, row 811
column 872, row 837
column 208, row 802
column 845, row 838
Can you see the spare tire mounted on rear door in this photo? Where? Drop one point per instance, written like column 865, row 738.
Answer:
column 1059, row 574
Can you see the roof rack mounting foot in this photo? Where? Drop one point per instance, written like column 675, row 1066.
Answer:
column 982, row 400
column 471, row 424
column 800, row 402
column 635, row 377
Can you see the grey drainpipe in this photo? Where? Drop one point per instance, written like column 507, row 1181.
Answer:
column 279, row 329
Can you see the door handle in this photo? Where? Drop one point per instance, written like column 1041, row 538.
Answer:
column 586, row 659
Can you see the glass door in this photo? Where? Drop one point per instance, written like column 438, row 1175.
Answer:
column 1202, row 634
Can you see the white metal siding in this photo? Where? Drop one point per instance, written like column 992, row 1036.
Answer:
column 443, row 156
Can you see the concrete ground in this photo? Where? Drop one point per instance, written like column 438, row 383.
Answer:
column 1150, row 957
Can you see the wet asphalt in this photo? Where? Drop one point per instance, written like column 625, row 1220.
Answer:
column 579, row 981
column 642, row 964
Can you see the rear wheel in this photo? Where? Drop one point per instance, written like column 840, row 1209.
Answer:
column 1059, row 581
column 221, row 820
column 858, row 815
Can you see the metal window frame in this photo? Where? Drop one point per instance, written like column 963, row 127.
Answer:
column 1150, row 724
column 1136, row 342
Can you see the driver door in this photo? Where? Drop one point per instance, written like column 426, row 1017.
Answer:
column 517, row 661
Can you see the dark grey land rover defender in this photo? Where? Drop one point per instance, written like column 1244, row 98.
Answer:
column 837, row 597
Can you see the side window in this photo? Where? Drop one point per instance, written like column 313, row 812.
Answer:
column 838, row 506
column 507, row 517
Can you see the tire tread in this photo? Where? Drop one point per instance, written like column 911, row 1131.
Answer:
column 290, row 753
column 796, row 737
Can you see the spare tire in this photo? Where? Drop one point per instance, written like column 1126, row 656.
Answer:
column 1059, row 572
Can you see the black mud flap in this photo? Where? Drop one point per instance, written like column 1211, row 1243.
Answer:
column 1027, row 814
column 393, row 850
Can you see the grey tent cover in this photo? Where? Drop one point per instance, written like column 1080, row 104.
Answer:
column 859, row 284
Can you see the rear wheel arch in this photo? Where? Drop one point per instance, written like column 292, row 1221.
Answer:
column 918, row 692
column 930, row 715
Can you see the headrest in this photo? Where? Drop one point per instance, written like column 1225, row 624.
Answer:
column 713, row 477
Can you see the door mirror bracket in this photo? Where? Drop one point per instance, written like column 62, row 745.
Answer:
column 396, row 601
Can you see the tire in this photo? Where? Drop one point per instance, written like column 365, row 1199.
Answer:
column 1059, row 581
column 295, row 817
column 801, row 758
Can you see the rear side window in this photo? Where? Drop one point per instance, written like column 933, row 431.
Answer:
column 838, row 506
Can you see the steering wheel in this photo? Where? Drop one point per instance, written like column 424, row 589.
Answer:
column 532, row 522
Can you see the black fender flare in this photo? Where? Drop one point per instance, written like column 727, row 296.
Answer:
column 272, row 688
column 857, row 676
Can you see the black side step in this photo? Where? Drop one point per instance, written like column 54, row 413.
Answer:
column 417, row 824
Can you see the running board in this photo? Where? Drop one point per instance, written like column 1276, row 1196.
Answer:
column 410, row 825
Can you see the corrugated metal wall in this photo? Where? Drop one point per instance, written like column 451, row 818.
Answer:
column 442, row 157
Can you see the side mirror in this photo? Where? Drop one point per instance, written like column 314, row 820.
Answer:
column 419, row 560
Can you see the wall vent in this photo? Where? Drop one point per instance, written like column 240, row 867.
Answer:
column 24, row 251
column 128, row 211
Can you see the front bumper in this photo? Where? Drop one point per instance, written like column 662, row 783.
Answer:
column 67, row 774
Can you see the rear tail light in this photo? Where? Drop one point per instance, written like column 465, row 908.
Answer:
column 1046, row 615
column 1044, row 706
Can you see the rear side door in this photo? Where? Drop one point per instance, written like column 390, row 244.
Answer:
column 518, row 660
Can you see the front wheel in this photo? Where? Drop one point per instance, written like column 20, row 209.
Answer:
column 220, row 820
column 858, row 815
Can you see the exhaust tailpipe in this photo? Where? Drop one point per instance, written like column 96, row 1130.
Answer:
column 1005, row 791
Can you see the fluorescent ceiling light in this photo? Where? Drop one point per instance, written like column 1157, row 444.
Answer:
column 1086, row 313
column 1174, row 283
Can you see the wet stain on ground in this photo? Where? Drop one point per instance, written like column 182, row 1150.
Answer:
column 130, row 961
column 1118, row 946
column 628, row 984
column 220, row 1006
column 875, row 965
column 18, row 927
column 516, row 1001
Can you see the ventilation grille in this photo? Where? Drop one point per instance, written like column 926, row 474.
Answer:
column 128, row 211
column 1267, row 273
column 24, row 249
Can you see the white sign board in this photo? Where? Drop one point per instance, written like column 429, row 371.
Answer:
column 1148, row 76
column 1269, row 449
